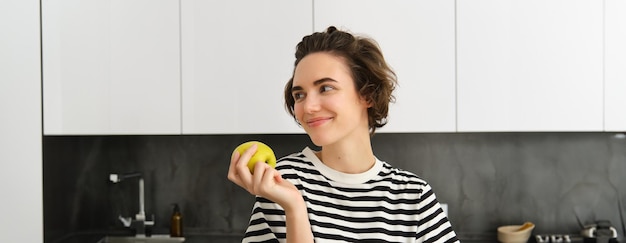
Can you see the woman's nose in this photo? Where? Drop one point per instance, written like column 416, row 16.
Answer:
column 311, row 104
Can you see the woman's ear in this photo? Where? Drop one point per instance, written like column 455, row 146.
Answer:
column 367, row 102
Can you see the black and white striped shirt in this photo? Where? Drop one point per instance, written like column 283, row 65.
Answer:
column 382, row 204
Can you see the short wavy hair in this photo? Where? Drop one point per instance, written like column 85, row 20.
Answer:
column 373, row 77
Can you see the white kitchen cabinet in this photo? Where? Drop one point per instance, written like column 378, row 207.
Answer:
column 20, row 106
column 615, row 66
column 417, row 39
column 236, row 58
column 111, row 67
column 529, row 65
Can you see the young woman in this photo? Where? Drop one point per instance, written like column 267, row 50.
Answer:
column 339, row 93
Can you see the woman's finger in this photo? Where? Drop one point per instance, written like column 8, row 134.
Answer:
column 232, row 171
column 257, row 177
column 268, row 176
column 277, row 177
column 241, row 166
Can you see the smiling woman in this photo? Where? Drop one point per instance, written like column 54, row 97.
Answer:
column 361, row 59
column 339, row 94
column 325, row 99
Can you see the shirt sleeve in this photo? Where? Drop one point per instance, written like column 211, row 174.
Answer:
column 434, row 225
column 267, row 222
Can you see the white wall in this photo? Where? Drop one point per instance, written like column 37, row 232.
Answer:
column 20, row 122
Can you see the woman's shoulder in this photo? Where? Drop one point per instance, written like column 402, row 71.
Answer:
column 297, row 166
column 297, row 157
column 400, row 176
column 295, row 161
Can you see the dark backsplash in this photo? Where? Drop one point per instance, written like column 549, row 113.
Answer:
column 487, row 179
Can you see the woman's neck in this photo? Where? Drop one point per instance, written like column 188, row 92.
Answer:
column 352, row 157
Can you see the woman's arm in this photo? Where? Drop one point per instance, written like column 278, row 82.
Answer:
column 268, row 183
column 298, row 225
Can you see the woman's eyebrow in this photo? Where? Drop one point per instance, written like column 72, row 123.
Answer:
column 316, row 83
column 323, row 80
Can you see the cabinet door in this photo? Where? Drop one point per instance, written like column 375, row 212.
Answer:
column 111, row 66
column 417, row 39
column 529, row 65
column 20, row 106
column 236, row 58
column 615, row 66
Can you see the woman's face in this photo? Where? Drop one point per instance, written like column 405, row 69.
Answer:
column 327, row 104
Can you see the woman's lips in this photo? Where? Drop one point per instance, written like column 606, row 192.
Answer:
column 316, row 122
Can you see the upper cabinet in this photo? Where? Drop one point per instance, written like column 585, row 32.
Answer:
column 111, row 67
column 21, row 144
column 615, row 66
column 237, row 57
column 530, row 65
column 220, row 67
column 417, row 39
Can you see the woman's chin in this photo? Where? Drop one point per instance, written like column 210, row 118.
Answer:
column 319, row 141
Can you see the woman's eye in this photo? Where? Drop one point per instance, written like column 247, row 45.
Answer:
column 325, row 88
column 298, row 96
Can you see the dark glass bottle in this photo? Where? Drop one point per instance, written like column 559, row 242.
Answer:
column 176, row 227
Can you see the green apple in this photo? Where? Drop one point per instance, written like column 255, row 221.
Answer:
column 263, row 154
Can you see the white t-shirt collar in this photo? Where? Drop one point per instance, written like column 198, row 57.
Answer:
column 341, row 177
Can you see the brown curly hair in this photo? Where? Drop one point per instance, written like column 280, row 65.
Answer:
column 374, row 80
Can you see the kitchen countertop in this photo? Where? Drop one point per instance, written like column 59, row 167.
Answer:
column 93, row 237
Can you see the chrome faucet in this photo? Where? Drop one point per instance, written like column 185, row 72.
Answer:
column 141, row 222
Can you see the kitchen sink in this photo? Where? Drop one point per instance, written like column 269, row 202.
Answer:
column 141, row 239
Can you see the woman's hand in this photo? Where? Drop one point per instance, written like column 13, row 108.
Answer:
column 265, row 181
column 268, row 183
